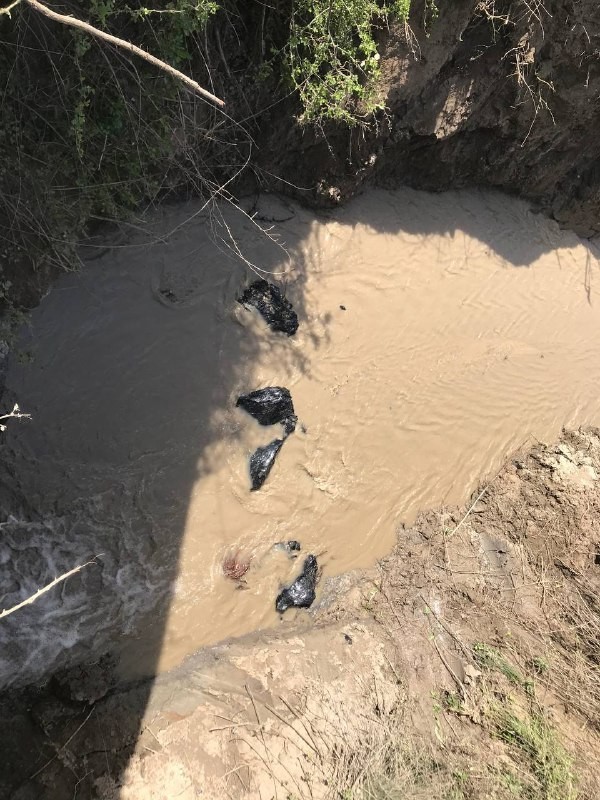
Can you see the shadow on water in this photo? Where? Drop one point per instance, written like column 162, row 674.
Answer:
column 126, row 369
column 127, row 398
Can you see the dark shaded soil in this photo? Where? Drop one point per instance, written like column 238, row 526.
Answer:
column 471, row 102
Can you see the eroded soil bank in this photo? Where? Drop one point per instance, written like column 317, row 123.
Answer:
column 500, row 93
column 482, row 622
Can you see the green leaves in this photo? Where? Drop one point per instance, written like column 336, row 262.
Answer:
column 332, row 55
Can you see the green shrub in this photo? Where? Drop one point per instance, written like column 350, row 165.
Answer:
column 332, row 55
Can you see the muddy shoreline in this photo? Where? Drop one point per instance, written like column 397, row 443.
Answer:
column 458, row 569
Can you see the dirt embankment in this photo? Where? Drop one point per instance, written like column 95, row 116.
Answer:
column 496, row 93
column 464, row 666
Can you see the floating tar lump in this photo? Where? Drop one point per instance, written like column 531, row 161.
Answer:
column 300, row 593
column 269, row 406
column 271, row 304
column 261, row 461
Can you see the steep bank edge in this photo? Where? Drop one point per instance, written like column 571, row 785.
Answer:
column 491, row 95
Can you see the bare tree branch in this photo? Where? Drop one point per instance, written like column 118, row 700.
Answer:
column 16, row 413
column 73, row 22
column 10, row 7
column 45, row 589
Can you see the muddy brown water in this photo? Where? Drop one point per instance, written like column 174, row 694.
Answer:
column 470, row 324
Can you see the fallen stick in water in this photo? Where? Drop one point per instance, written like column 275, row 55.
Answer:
column 46, row 588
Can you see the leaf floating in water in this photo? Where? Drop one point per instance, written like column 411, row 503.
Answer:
column 271, row 304
column 261, row 461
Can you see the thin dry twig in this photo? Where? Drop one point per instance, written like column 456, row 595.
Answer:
column 65, row 745
column 300, row 735
column 469, row 510
column 484, row 490
column 302, row 722
column 262, row 736
column 16, row 413
column 46, row 588
column 9, row 8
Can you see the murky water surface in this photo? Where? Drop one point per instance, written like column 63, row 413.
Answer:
column 468, row 324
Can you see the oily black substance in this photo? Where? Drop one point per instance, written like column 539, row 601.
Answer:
column 268, row 300
column 261, row 461
column 301, row 593
column 270, row 406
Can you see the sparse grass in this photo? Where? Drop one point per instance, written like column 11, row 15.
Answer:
column 406, row 768
column 573, row 647
column 522, row 724
column 563, row 657
column 517, row 719
column 490, row 658
column 533, row 740
column 397, row 765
